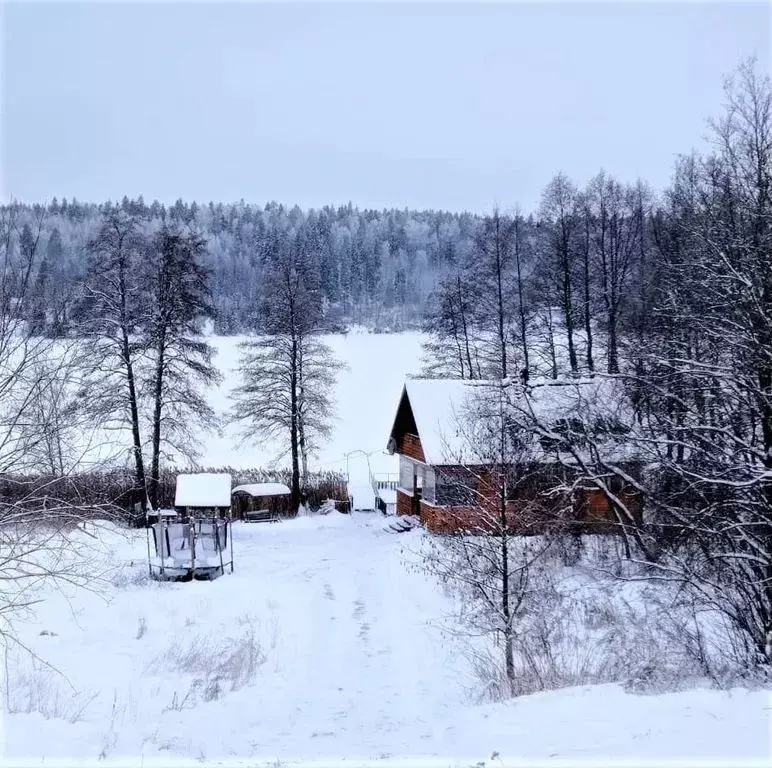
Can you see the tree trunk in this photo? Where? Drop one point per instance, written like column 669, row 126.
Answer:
column 506, row 608
column 302, row 450
column 587, row 294
column 521, row 307
column 139, row 464
column 137, row 441
column 464, row 326
column 155, row 466
column 613, row 345
column 301, row 417
column 294, row 436
column 568, row 314
column 551, row 344
column 500, row 300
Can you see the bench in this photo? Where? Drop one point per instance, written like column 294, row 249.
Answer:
column 261, row 516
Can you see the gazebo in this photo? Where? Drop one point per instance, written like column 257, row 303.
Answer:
column 198, row 545
column 261, row 502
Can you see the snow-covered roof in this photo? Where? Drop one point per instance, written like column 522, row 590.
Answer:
column 263, row 489
column 438, row 407
column 162, row 512
column 445, row 410
column 203, row 490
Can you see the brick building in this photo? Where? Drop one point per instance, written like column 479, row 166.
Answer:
column 450, row 481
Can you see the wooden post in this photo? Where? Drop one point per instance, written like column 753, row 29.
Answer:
column 230, row 539
column 216, row 526
column 162, row 536
column 147, row 539
column 192, row 544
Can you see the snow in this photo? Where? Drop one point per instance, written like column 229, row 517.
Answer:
column 324, row 645
column 263, row 489
column 366, row 398
column 203, row 489
column 388, row 495
column 363, row 496
column 438, row 407
column 327, row 641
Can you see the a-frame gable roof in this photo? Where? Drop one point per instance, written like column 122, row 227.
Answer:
column 433, row 410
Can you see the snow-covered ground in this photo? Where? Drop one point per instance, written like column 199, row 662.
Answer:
column 323, row 645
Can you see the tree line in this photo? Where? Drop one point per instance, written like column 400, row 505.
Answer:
column 372, row 268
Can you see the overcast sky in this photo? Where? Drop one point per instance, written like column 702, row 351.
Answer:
column 443, row 106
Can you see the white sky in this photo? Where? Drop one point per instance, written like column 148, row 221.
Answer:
column 458, row 106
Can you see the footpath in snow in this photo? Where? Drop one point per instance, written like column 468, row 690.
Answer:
column 323, row 645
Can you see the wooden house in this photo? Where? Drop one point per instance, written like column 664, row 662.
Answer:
column 448, row 482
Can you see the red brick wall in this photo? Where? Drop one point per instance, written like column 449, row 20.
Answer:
column 451, row 519
column 594, row 510
column 591, row 512
column 410, row 445
column 588, row 510
column 404, row 503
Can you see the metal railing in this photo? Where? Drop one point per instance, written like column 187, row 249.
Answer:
column 382, row 482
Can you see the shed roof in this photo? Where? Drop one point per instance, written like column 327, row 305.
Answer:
column 263, row 489
column 203, row 489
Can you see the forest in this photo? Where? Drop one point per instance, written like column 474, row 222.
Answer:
column 372, row 268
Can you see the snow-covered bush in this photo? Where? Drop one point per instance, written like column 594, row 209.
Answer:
column 213, row 665
column 587, row 623
column 32, row 685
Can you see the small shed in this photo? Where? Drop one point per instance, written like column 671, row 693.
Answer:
column 387, row 500
column 258, row 502
column 203, row 494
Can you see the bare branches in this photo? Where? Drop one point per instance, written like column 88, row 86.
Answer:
column 287, row 374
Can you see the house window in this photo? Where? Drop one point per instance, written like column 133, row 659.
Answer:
column 406, row 473
column 428, row 489
column 455, row 488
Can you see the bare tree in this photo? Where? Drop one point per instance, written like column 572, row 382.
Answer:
column 179, row 294
column 614, row 225
column 110, row 314
column 486, row 559
column 287, row 373
column 450, row 320
column 36, row 542
column 493, row 275
column 707, row 378
column 696, row 399
column 558, row 212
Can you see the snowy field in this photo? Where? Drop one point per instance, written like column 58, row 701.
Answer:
column 366, row 398
column 322, row 645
